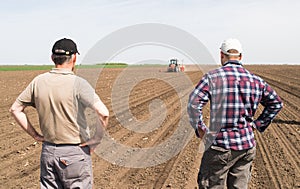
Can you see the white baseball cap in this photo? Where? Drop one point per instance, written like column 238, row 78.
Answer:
column 231, row 43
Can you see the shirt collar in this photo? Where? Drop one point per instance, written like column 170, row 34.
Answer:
column 236, row 62
column 61, row 71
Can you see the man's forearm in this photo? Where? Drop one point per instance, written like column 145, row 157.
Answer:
column 104, row 120
column 21, row 118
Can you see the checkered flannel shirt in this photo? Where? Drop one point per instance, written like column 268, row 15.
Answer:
column 234, row 94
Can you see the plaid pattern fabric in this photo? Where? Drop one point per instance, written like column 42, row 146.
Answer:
column 234, row 95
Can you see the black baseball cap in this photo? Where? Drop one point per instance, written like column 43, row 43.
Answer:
column 64, row 47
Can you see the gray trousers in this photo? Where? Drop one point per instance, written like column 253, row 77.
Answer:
column 65, row 166
column 221, row 167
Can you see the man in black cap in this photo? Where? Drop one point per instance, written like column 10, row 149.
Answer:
column 61, row 98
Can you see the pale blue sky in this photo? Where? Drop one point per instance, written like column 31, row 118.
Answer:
column 268, row 29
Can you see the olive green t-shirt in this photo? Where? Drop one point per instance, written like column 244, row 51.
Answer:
column 61, row 100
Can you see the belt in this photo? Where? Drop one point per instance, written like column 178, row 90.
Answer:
column 59, row 145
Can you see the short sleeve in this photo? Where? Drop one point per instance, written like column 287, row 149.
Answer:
column 86, row 93
column 26, row 98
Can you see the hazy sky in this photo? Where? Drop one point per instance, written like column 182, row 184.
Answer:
column 268, row 29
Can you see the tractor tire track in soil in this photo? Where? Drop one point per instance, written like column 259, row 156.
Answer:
column 276, row 165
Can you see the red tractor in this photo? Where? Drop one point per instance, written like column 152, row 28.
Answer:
column 174, row 66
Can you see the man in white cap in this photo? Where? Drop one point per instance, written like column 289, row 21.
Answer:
column 234, row 94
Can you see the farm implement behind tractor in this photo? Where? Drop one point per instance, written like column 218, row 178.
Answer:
column 174, row 66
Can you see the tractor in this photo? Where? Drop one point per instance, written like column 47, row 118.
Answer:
column 174, row 66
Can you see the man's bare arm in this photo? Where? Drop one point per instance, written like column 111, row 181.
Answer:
column 102, row 112
column 17, row 111
column 103, row 115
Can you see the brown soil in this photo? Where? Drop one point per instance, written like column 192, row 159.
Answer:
column 277, row 164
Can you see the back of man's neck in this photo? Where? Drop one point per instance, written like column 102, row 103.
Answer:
column 63, row 66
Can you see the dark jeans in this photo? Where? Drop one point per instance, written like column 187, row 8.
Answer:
column 220, row 167
column 65, row 166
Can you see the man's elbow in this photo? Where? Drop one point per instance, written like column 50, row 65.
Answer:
column 280, row 102
column 101, row 109
column 104, row 113
column 280, row 106
column 13, row 110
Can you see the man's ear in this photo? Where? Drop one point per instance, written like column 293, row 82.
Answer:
column 240, row 58
column 222, row 55
column 74, row 58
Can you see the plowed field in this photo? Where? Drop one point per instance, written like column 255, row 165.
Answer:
column 277, row 164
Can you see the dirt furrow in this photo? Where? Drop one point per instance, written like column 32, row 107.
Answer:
column 294, row 91
column 288, row 147
column 273, row 173
column 287, row 124
column 282, row 157
column 135, row 173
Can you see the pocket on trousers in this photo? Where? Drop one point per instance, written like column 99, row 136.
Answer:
column 220, row 155
column 73, row 166
column 250, row 155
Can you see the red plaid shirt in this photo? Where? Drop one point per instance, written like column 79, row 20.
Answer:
column 234, row 94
